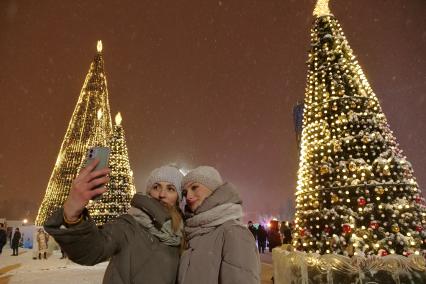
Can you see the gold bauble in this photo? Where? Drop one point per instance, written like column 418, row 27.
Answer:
column 352, row 166
column 380, row 190
column 334, row 198
column 395, row 228
column 365, row 139
column 316, row 204
column 324, row 170
column 337, row 146
column 386, row 170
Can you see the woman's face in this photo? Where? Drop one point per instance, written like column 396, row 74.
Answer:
column 195, row 193
column 165, row 192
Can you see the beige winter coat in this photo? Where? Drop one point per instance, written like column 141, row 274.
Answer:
column 42, row 242
column 225, row 254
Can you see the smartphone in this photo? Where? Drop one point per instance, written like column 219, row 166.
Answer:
column 102, row 154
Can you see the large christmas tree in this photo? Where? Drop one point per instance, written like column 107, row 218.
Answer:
column 90, row 125
column 356, row 191
column 116, row 200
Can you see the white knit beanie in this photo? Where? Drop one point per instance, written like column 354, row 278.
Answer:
column 165, row 174
column 205, row 175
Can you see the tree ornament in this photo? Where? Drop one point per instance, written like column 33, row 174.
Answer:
column 386, row 171
column 418, row 199
column 374, row 224
column 352, row 166
column 362, row 201
column 380, row 190
column 371, row 103
column 316, row 204
column 337, row 146
column 324, row 169
column 346, row 228
column 419, row 228
column 334, row 198
column 365, row 139
column 395, row 228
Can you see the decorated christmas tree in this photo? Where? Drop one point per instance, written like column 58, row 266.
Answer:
column 356, row 191
column 116, row 200
column 90, row 125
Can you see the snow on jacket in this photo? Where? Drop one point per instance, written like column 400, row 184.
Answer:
column 221, row 250
column 136, row 256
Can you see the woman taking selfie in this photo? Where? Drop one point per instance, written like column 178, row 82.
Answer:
column 220, row 248
column 143, row 246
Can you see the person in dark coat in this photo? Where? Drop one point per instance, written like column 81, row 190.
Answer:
column 261, row 239
column 3, row 237
column 285, row 231
column 142, row 246
column 274, row 238
column 252, row 229
column 15, row 241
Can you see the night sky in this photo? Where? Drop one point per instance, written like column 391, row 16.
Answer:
column 197, row 83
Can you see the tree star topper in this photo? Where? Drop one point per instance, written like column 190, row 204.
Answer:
column 321, row 8
column 99, row 47
column 118, row 118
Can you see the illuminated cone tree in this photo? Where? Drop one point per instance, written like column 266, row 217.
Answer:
column 116, row 200
column 356, row 191
column 90, row 125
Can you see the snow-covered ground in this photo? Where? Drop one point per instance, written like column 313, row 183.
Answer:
column 24, row 269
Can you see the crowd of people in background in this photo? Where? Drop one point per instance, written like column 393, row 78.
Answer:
column 275, row 234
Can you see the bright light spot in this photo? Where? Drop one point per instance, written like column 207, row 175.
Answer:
column 99, row 47
column 118, row 118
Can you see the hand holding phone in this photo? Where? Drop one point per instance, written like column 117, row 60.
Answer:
column 101, row 154
column 89, row 183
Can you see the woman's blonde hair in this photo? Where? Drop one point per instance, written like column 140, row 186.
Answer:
column 177, row 223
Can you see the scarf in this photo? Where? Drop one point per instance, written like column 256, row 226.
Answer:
column 165, row 234
column 207, row 221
